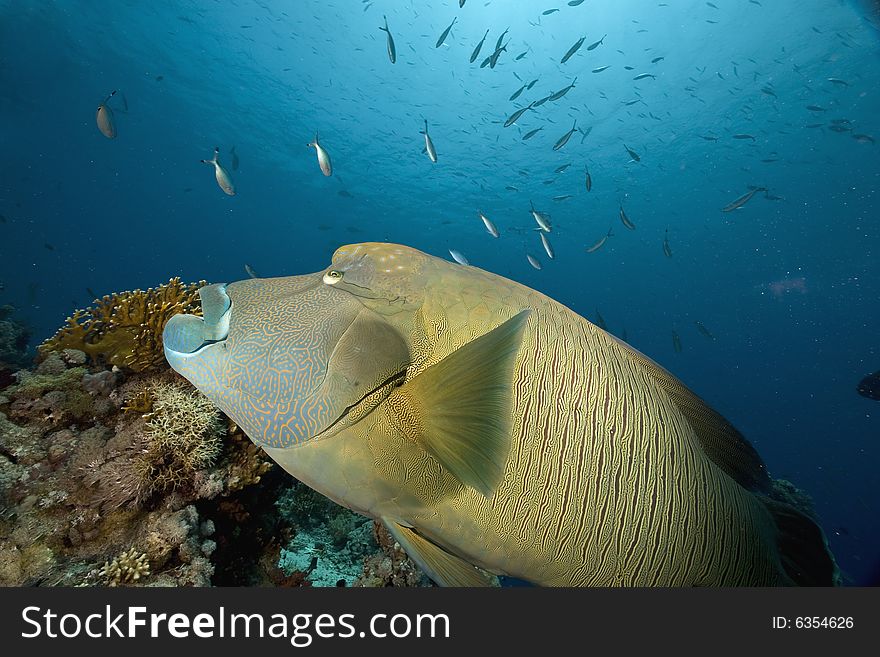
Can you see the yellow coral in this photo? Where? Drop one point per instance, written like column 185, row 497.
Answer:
column 125, row 329
column 127, row 568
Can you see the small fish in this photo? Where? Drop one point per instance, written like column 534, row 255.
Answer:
column 816, row 108
column 626, row 220
column 541, row 101
column 864, row 139
column 250, row 271
column 588, row 179
column 676, row 342
column 476, row 52
column 632, row 154
column 500, row 39
column 533, row 261
column 600, row 321
column 234, row 159
column 458, row 257
column 392, row 51
column 548, row 12
column 461, row 3
column 840, row 128
column 709, row 137
column 601, row 68
column 48, row 246
column 562, row 197
column 575, row 3
column 493, row 58
column 511, row 188
column 104, row 118
column 541, row 219
column 559, row 94
column 769, row 91
column 657, row 59
column 493, row 231
column 744, row 136
column 571, row 51
column 563, row 140
column 532, row 133
column 667, row 250
column 445, row 33
column 429, row 145
column 703, row 330
column 598, row 43
column 518, row 113
column 598, row 245
column 223, row 179
column 561, row 168
column 838, row 81
column 521, row 55
column 742, row 200
column 531, row 84
column 642, row 76
column 345, row 193
column 517, row 93
column 323, row 157
column 546, row 243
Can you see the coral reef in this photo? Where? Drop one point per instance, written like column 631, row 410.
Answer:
column 125, row 329
column 392, row 567
column 115, row 471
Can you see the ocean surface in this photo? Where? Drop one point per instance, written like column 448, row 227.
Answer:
column 781, row 97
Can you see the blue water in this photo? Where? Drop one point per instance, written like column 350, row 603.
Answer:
column 788, row 287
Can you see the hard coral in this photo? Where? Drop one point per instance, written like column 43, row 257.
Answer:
column 125, row 329
column 128, row 568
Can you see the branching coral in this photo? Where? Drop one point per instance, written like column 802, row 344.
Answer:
column 125, row 329
column 128, row 568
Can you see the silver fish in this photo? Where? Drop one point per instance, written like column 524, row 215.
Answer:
column 588, row 179
column 546, row 243
column 458, row 257
column 392, row 51
column 323, row 157
column 104, row 118
column 250, row 271
column 598, row 245
column 632, row 153
column 533, row 261
column 542, row 219
column 493, row 231
column 429, row 145
column 626, row 221
column 559, row 94
column 517, row 93
column 532, row 133
column 742, row 200
column 518, row 113
column 220, row 174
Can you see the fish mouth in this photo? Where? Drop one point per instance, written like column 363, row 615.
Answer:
column 186, row 336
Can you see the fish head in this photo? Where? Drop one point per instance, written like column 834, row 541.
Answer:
column 290, row 358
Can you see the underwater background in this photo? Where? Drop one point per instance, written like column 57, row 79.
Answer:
column 769, row 312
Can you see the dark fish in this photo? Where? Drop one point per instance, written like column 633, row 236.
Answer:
column 816, row 108
column 500, row 39
column 563, row 140
column 518, row 113
column 667, row 250
column 598, row 43
column 392, row 51
column 601, row 68
column 642, row 76
column 48, row 246
column 559, row 94
column 703, row 330
column 461, row 3
column 479, row 47
column 159, row 78
column 575, row 3
column 632, row 153
column 345, row 193
column 598, row 245
column 531, row 84
column 586, row 133
column 626, row 220
column 532, row 133
column 561, row 168
column 445, row 33
column 600, row 321
column 588, row 179
column 657, row 59
column 521, row 55
column 517, row 93
column 548, row 12
column 870, row 386
column 493, row 58
column 742, row 200
column 572, row 50
column 769, row 91
column 541, row 101
column 744, row 137
column 676, row 342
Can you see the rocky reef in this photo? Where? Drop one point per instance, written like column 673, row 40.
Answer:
column 115, row 471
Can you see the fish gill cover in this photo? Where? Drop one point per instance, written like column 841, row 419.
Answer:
column 719, row 210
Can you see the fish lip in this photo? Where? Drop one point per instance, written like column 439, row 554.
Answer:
column 185, row 335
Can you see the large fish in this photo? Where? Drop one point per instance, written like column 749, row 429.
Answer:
column 491, row 429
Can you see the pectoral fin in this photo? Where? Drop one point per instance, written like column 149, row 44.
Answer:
column 459, row 409
column 444, row 568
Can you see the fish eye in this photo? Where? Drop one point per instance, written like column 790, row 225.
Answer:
column 332, row 277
